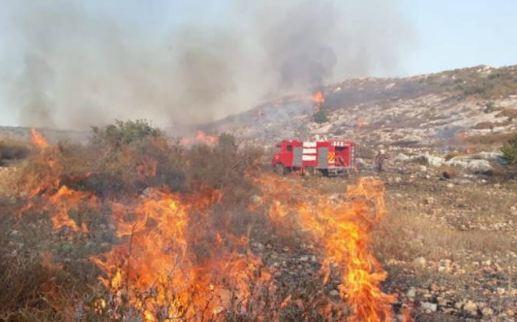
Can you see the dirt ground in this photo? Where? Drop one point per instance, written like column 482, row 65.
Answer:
column 449, row 245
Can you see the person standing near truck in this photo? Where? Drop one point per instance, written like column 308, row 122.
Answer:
column 379, row 160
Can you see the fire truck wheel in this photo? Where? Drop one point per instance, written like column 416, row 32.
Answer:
column 280, row 170
column 309, row 172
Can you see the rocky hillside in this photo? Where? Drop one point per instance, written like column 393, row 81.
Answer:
column 457, row 107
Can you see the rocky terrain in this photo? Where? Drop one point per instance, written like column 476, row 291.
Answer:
column 436, row 110
column 449, row 240
column 448, row 245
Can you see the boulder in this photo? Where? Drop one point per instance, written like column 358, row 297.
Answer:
column 479, row 166
column 431, row 307
column 434, row 161
column 420, row 261
column 401, row 157
column 470, row 307
column 429, row 159
column 474, row 165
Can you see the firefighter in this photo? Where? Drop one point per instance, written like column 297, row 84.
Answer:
column 379, row 160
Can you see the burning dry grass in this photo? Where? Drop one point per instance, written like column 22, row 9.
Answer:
column 150, row 231
column 343, row 230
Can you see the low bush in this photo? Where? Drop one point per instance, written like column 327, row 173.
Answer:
column 510, row 150
column 320, row 117
column 124, row 132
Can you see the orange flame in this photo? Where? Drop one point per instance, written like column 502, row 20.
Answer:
column 157, row 255
column 200, row 138
column 318, row 98
column 343, row 229
column 38, row 139
column 64, row 201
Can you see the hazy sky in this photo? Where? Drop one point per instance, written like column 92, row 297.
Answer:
column 460, row 33
column 119, row 48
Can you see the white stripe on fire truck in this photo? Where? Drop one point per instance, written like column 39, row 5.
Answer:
column 309, row 144
column 308, row 158
column 309, row 151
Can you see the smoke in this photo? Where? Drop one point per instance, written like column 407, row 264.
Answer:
column 71, row 64
column 299, row 44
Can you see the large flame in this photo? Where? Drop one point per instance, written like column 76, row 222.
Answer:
column 343, row 228
column 200, row 138
column 158, row 256
column 318, row 98
column 38, row 140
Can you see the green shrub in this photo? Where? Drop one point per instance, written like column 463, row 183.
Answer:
column 227, row 142
column 124, row 132
column 320, row 117
column 510, row 150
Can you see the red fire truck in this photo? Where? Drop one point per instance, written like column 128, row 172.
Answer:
column 329, row 157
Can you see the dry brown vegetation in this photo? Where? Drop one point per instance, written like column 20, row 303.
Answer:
column 46, row 274
column 12, row 150
column 451, row 243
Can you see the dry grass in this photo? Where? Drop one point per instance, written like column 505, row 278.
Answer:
column 488, row 139
column 12, row 150
column 46, row 275
column 406, row 235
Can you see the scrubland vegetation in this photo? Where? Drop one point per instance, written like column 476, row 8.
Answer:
column 448, row 246
column 46, row 273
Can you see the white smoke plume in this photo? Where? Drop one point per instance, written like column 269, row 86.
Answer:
column 71, row 64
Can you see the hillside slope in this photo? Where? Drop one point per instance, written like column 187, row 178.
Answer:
column 425, row 110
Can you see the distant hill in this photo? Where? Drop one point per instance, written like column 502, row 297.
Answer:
column 422, row 110
column 469, row 106
column 23, row 134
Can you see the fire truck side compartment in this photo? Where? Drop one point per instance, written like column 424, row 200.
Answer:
column 297, row 157
column 323, row 157
column 330, row 156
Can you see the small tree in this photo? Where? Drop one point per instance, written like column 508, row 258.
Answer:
column 227, row 142
column 320, row 117
column 510, row 150
column 124, row 132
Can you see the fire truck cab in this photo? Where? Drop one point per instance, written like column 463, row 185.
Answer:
column 329, row 157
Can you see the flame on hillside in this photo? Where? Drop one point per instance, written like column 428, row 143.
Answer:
column 200, row 138
column 318, row 99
